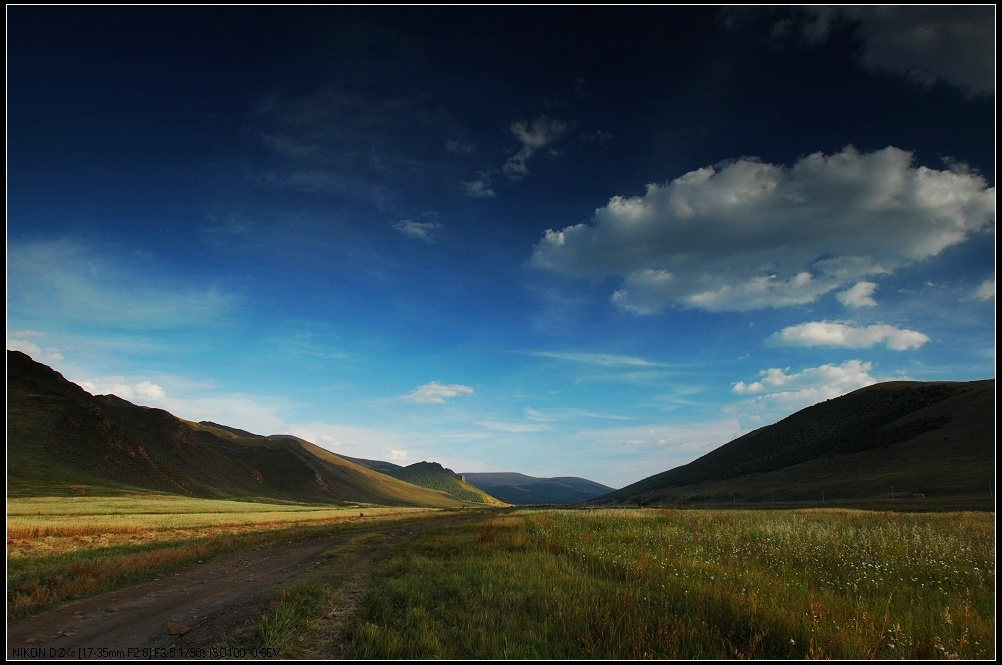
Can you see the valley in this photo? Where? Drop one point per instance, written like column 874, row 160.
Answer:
column 860, row 528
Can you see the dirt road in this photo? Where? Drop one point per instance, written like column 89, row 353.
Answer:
column 189, row 614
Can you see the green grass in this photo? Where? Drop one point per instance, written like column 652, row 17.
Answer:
column 296, row 624
column 290, row 620
column 689, row 584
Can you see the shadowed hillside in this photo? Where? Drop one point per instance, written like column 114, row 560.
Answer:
column 912, row 438
column 58, row 434
column 61, row 439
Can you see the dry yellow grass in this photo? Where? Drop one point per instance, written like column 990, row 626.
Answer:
column 59, row 547
column 51, row 525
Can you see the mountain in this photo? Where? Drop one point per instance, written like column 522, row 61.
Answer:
column 61, row 438
column 902, row 437
column 431, row 475
column 523, row 490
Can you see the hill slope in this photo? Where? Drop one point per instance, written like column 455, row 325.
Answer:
column 433, row 476
column 921, row 437
column 526, row 490
column 61, row 438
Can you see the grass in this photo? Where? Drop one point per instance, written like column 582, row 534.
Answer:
column 59, row 549
column 51, row 525
column 671, row 584
column 297, row 623
column 568, row 584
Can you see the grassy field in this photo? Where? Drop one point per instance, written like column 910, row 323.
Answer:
column 689, row 584
column 61, row 548
column 571, row 584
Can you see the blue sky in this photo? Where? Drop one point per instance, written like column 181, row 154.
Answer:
column 587, row 241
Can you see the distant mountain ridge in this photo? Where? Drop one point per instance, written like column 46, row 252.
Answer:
column 523, row 490
column 433, row 476
column 61, row 438
column 922, row 437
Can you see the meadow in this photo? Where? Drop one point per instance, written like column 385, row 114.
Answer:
column 61, row 548
column 532, row 583
column 673, row 584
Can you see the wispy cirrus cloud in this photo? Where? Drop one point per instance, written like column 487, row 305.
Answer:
column 598, row 359
column 460, row 147
column 71, row 282
column 533, row 136
column 512, row 427
column 569, row 413
column 481, row 187
column 746, row 235
column 984, row 292
column 423, row 231
column 436, row 393
column 832, row 333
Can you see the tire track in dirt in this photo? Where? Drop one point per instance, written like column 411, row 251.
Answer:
column 193, row 611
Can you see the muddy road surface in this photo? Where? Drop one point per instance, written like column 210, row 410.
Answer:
column 192, row 613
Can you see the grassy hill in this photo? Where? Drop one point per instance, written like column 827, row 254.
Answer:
column 433, row 476
column 906, row 438
column 58, row 434
column 61, row 439
column 525, row 490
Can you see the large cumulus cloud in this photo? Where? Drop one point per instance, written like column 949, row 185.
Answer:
column 746, row 235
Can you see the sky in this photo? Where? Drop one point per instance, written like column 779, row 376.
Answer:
column 562, row 241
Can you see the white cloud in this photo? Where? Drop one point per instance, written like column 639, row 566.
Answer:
column 374, row 443
column 540, row 133
column 45, row 355
column 21, row 334
column 480, row 188
column 955, row 45
column 747, row 235
column 928, row 44
column 424, row 231
column 829, row 333
column 685, row 441
column 512, row 427
column 195, row 401
column 567, row 413
column 860, row 295
column 985, row 291
column 459, row 147
column 600, row 359
column 145, row 393
column 72, row 282
column 149, row 391
column 312, row 181
column 779, row 393
column 436, row 393
column 822, row 382
column 287, row 147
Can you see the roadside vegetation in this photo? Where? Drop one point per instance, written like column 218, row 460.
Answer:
column 672, row 584
column 60, row 548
